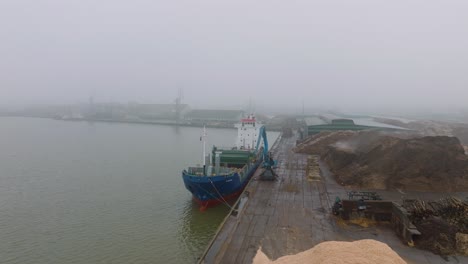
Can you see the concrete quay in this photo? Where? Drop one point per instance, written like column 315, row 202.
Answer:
column 293, row 214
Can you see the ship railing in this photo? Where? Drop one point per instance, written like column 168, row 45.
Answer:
column 198, row 171
column 195, row 171
column 243, row 171
column 223, row 147
column 224, row 171
column 232, row 148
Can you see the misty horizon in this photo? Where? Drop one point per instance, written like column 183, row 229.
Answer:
column 347, row 55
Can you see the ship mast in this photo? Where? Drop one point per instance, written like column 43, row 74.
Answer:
column 204, row 149
column 178, row 106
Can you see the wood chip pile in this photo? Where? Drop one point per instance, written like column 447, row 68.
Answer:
column 365, row 251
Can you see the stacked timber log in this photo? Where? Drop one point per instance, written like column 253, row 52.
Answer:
column 443, row 224
column 452, row 209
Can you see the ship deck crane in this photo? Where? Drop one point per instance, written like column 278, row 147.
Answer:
column 268, row 162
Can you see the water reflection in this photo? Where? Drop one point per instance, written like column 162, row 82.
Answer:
column 197, row 227
column 176, row 129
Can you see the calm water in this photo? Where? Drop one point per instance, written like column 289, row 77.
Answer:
column 77, row 192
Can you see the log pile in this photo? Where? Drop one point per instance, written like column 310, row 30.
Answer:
column 451, row 209
column 443, row 224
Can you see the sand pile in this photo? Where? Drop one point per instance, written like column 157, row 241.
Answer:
column 358, row 252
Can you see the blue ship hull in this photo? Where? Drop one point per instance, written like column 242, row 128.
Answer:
column 212, row 190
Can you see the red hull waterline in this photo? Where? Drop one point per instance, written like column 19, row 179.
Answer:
column 213, row 202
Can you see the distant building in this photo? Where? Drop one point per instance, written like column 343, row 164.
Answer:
column 158, row 111
column 315, row 120
column 105, row 111
column 341, row 125
column 214, row 116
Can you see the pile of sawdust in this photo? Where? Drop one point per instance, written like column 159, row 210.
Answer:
column 424, row 127
column 317, row 144
column 462, row 134
column 365, row 251
column 350, row 141
column 377, row 160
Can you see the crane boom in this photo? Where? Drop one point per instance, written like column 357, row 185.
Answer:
column 268, row 162
column 262, row 134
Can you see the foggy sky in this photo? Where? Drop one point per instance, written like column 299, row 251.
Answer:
column 223, row 52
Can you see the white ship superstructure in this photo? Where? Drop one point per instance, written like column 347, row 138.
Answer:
column 247, row 133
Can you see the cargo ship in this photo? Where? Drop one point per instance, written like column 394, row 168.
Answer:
column 225, row 172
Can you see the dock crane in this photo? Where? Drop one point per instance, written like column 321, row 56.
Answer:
column 268, row 164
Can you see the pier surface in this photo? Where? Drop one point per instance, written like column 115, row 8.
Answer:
column 293, row 214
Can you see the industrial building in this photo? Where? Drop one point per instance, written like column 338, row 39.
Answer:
column 317, row 124
column 209, row 116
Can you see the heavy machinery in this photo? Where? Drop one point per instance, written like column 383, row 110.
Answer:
column 337, row 206
column 269, row 163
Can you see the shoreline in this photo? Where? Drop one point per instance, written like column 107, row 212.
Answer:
column 142, row 122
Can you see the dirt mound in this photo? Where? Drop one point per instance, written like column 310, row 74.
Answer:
column 318, row 144
column 351, row 141
column 424, row 127
column 462, row 134
column 357, row 252
column 378, row 160
column 432, row 128
column 419, row 164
